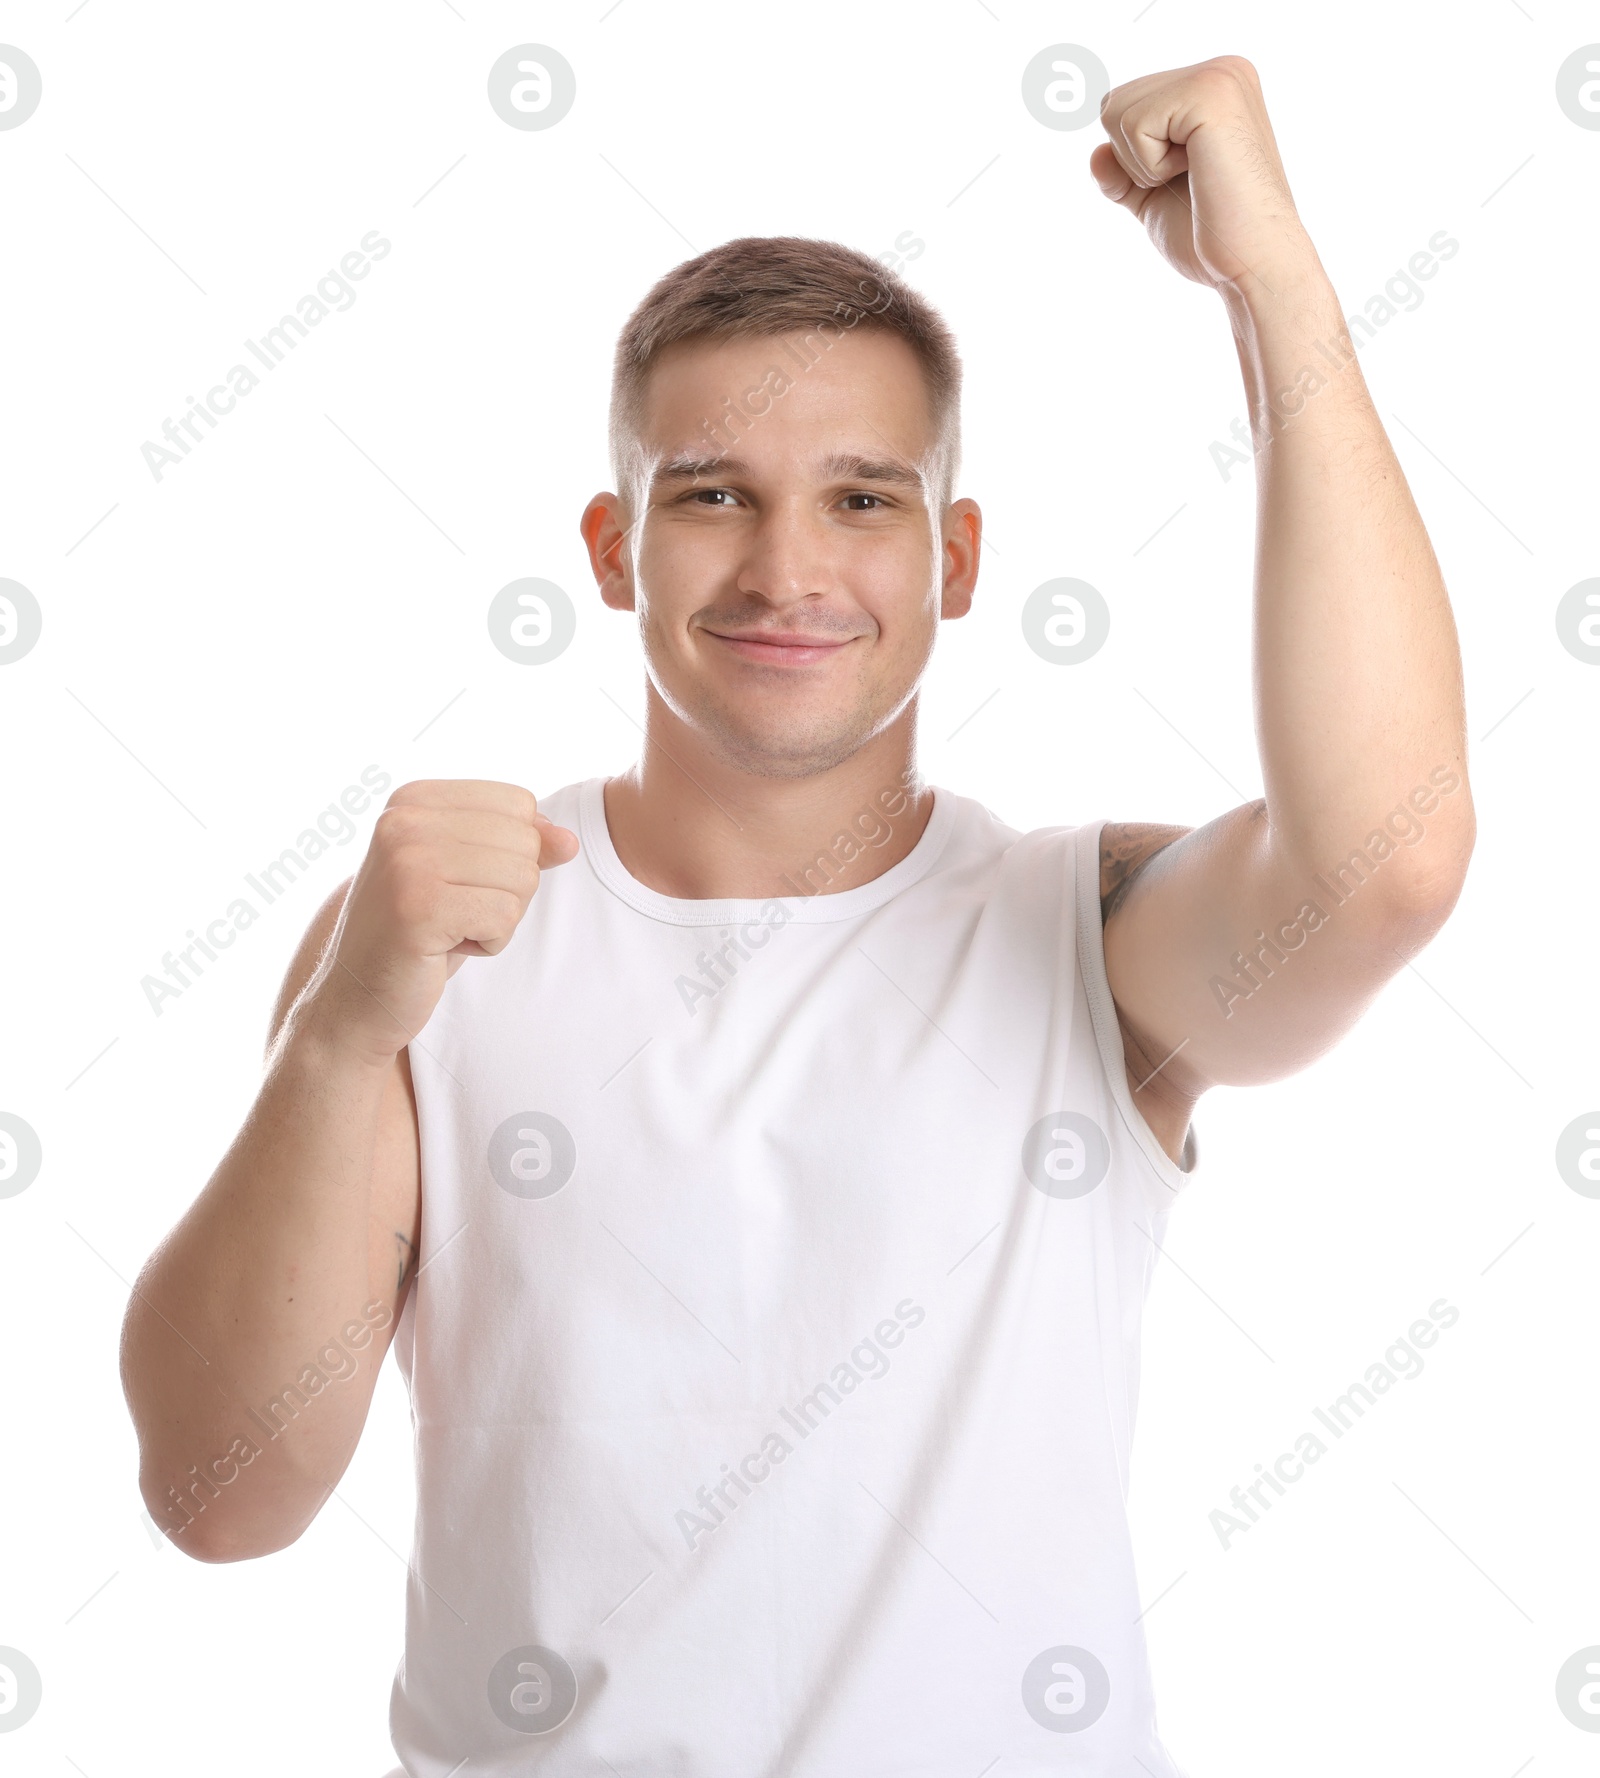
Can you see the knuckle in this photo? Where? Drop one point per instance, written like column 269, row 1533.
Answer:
column 397, row 824
column 1236, row 68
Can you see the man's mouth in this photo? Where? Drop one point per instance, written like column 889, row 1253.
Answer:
column 783, row 648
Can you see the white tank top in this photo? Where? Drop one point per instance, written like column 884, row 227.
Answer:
column 775, row 1352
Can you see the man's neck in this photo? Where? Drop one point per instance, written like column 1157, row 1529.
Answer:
column 692, row 826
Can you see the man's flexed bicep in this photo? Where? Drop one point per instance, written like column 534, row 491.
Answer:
column 1234, row 961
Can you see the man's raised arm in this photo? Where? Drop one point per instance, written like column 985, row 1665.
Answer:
column 1240, row 950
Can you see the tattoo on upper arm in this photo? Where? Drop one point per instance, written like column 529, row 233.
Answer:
column 1126, row 847
column 404, row 1258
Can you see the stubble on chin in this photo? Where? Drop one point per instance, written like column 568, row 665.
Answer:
column 803, row 749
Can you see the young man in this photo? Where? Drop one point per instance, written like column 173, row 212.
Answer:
column 789, row 1173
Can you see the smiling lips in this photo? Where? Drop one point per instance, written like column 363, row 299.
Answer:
column 783, row 648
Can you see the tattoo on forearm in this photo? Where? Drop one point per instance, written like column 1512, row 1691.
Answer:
column 1126, row 847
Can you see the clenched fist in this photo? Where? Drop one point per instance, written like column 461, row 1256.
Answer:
column 1192, row 155
column 450, row 871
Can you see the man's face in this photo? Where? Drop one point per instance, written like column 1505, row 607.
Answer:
column 787, row 570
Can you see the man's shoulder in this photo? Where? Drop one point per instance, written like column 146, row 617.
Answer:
column 1126, row 847
column 564, row 804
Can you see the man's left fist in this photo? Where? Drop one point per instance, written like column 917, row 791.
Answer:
column 1192, row 155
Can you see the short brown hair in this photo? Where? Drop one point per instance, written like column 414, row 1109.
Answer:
column 778, row 284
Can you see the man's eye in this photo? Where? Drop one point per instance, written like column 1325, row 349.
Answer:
column 718, row 496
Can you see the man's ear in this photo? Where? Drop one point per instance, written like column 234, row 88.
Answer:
column 605, row 526
column 962, row 546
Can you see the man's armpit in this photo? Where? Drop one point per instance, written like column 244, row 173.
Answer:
column 1126, row 847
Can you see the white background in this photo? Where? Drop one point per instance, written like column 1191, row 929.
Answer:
column 225, row 650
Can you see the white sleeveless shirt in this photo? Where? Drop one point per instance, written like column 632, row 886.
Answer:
column 775, row 1352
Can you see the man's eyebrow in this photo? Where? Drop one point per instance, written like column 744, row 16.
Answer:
column 687, row 467
column 846, row 466
column 840, row 466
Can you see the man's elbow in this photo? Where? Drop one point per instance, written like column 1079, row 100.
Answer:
column 217, row 1542
column 202, row 1542
column 212, row 1536
column 1418, row 887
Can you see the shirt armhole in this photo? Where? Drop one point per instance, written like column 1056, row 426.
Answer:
column 1166, row 1178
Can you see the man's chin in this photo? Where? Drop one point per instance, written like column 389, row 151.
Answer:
column 770, row 753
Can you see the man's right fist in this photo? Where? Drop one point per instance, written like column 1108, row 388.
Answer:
column 450, row 871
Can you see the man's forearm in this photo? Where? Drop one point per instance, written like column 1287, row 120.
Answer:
column 270, row 1290
column 1357, row 669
